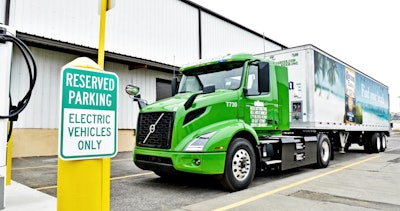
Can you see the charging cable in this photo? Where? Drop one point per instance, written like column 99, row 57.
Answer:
column 32, row 70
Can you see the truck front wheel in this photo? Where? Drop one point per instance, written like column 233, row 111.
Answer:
column 240, row 165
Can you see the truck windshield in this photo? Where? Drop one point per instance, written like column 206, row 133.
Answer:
column 222, row 76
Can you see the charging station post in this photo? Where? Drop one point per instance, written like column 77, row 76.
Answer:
column 5, row 66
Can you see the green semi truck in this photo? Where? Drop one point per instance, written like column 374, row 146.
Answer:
column 236, row 115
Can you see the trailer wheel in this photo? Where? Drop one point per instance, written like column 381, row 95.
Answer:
column 240, row 165
column 367, row 144
column 375, row 143
column 323, row 151
column 383, row 142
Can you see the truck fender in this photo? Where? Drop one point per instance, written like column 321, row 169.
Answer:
column 227, row 131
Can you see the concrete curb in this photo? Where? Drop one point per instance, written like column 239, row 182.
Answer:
column 20, row 197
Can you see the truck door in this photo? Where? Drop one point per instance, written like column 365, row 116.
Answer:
column 260, row 109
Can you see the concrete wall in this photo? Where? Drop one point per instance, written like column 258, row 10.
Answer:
column 44, row 142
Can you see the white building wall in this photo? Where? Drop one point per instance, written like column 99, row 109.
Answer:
column 146, row 80
column 221, row 38
column 71, row 21
column 2, row 14
column 43, row 108
column 155, row 30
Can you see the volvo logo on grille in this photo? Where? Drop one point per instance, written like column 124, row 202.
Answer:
column 152, row 128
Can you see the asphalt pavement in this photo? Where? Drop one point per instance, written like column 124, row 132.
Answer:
column 353, row 181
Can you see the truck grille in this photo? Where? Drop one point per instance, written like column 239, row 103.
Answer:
column 155, row 129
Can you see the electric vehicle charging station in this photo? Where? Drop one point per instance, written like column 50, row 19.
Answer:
column 5, row 66
column 9, row 112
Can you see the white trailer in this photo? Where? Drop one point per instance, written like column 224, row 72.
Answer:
column 328, row 96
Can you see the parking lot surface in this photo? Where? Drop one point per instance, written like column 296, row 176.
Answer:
column 353, row 181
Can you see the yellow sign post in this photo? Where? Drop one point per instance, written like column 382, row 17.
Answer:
column 9, row 157
column 85, row 184
column 106, row 162
column 88, row 130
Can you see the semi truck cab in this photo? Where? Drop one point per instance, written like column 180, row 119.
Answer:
column 226, row 119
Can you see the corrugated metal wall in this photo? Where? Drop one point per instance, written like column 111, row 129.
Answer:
column 157, row 30
column 43, row 109
column 220, row 38
column 72, row 21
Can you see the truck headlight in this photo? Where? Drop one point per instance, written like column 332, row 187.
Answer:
column 197, row 145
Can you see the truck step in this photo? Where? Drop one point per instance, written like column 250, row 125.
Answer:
column 272, row 162
column 269, row 141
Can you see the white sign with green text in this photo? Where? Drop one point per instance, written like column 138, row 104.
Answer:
column 88, row 119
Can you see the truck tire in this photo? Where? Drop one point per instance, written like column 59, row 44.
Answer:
column 240, row 165
column 375, row 143
column 323, row 151
column 367, row 144
column 383, row 142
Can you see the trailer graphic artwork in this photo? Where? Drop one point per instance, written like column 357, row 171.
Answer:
column 372, row 101
column 350, row 98
column 363, row 101
column 329, row 89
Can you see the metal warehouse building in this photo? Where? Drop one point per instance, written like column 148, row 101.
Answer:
column 146, row 40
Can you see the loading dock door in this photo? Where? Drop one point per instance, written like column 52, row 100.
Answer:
column 163, row 89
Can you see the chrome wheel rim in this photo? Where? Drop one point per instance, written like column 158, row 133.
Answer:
column 241, row 165
column 325, row 151
column 378, row 144
column 383, row 142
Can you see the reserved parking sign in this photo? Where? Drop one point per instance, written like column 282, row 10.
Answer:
column 88, row 117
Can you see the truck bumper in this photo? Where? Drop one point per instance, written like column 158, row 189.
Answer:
column 199, row 163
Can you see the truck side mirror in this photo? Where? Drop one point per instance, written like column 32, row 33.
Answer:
column 209, row 89
column 263, row 77
column 133, row 92
column 174, row 86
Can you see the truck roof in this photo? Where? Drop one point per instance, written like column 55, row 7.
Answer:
column 216, row 60
column 313, row 47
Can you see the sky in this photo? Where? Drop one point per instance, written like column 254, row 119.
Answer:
column 364, row 34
